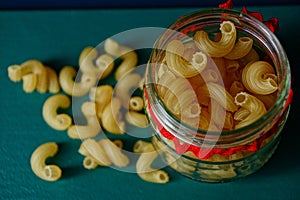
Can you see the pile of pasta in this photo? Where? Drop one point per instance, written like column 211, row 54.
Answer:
column 101, row 111
column 202, row 80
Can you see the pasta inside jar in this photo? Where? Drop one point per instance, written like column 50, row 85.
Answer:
column 217, row 94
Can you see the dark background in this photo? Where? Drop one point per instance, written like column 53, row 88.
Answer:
column 79, row 4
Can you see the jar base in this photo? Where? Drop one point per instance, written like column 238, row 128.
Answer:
column 215, row 172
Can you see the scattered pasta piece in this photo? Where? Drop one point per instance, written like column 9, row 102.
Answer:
column 111, row 119
column 101, row 95
column 128, row 56
column 143, row 165
column 38, row 162
column 91, row 129
column 35, row 76
column 136, row 119
column 70, row 86
column 50, row 115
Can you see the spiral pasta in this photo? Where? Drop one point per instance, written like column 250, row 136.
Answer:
column 180, row 65
column 221, row 47
column 253, row 105
column 259, row 77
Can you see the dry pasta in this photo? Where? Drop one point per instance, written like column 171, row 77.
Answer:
column 109, row 150
column 259, row 77
column 29, row 82
column 126, row 86
column 91, row 129
column 53, row 85
column 255, row 107
column 136, row 119
column 68, row 84
column 89, row 162
column 86, row 60
column 136, row 103
column 91, row 148
column 221, row 47
column 111, row 119
column 218, row 93
column 114, row 153
column 143, row 165
column 38, row 162
column 50, row 115
column 128, row 55
column 252, row 56
column 241, row 48
column 181, row 99
column 16, row 72
column 101, row 95
column 181, row 65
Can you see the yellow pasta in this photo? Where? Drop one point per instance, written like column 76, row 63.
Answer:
column 218, row 93
column 136, row 119
column 241, row 48
column 86, row 59
column 259, row 78
column 102, row 153
column 129, row 57
column 114, row 153
column 101, row 95
column 221, row 47
column 143, row 165
column 252, row 56
column 136, row 103
column 126, row 86
column 166, row 78
column 50, row 115
column 29, row 82
column 181, row 99
column 105, row 65
column 89, row 162
column 16, row 72
column 180, row 65
column 218, row 114
column 53, row 83
column 92, row 63
column 68, row 84
column 91, row 129
column 111, row 119
column 255, row 107
column 91, row 148
column 38, row 162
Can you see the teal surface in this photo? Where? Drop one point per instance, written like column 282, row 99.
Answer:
column 56, row 38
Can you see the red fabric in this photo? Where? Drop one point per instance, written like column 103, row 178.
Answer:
column 227, row 5
column 272, row 23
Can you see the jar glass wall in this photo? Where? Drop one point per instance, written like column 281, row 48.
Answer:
column 220, row 154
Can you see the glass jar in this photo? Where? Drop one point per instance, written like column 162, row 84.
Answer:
column 226, row 155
